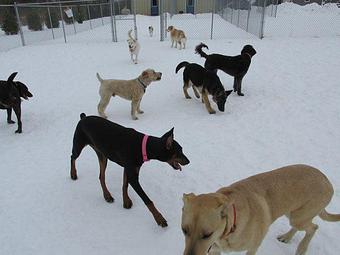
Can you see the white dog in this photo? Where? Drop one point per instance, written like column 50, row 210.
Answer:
column 134, row 47
column 151, row 31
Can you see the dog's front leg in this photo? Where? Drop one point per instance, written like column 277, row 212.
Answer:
column 134, row 106
column 207, row 102
column 172, row 43
column 133, row 180
column 17, row 110
column 138, row 108
column 9, row 116
column 238, row 86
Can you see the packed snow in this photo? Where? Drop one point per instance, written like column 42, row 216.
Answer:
column 290, row 114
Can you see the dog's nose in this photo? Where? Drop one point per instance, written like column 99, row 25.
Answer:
column 160, row 74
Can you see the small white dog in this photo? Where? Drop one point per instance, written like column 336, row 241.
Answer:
column 151, row 31
column 134, row 47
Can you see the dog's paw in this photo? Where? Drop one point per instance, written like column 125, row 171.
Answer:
column 10, row 121
column 240, row 94
column 108, row 198
column 161, row 221
column 74, row 176
column 19, row 131
column 140, row 112
column 127, row 204
column 134, row 118
column 283, row 239
column 188, row 97
column 212, row 112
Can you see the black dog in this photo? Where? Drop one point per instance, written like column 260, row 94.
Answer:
column 207, row 82
column 129, row 149
column 11, row 93
column 236, row 66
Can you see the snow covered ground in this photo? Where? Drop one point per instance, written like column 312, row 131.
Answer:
column 290, row 114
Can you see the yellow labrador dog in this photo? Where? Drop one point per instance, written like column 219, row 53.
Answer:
column 132, row 90
column 177, row 36
column 237, row 217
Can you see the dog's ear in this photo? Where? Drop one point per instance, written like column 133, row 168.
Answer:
column 187, row 197
column 11, row 77
column 228, row 92
column 169, row 138
column 145, row 74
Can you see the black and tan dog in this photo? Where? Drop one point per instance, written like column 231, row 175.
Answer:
column 11, row 93
column 205, row 81
column 236, row 66
column 129, row 149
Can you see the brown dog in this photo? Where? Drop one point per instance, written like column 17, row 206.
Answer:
column 236, row 218
column 132, row 90
column 177, row 36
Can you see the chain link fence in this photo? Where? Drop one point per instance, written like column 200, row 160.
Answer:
column 31, row 23
column 110, row 20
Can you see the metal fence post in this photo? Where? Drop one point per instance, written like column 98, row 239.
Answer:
column 135, row 19
column 74, row 25
column 262, row 19
column 212, row 19
column 50, row 19
column 161, row 17
column 238, row 17
column 19, row 24
column 113, row 21
column 89, row 14
column 166, row 25
column 101, row 13
column 62, row 21
column 248, row 17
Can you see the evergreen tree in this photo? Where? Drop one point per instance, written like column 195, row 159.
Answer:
column 54, row 19
column 80, row 14
column 9, row 22
column 34, row 21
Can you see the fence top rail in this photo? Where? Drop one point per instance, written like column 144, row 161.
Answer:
column 60, row 2
column 54, row 6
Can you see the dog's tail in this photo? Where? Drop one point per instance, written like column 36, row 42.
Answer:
column 328, row 216
column 12, row 76
column 130, row 36
column 82, row 115
column 198, row 50
column 99, row 78
column 181, row 65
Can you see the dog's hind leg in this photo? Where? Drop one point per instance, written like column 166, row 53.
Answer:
column 102, row 166
column 78, row 145
column 310, row 230
column 127, row 203
column 207, row 102
column 104, row 101
column 185, row 90
column 9, row 116
column 285, row 238
column 196, row 92
column 172, row 43
column 133, row 180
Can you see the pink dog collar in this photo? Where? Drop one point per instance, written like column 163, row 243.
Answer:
column 144, row 154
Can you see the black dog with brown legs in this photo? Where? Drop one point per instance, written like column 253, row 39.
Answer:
column 236, row 66
column 129, row 149
column 11, row 93
column 206, row 82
